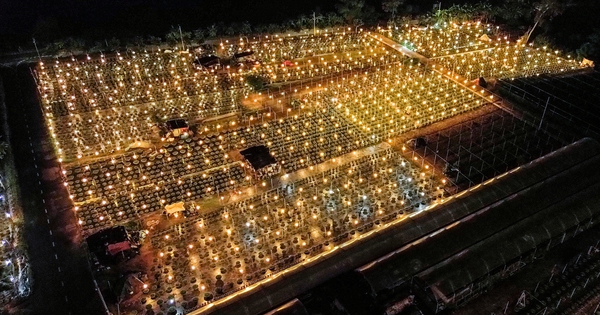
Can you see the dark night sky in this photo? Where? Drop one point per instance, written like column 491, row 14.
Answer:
column 50, row 19
column 101, row 19
column 107, row 18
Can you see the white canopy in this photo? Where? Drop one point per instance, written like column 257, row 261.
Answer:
column 141, row 144
column 587, row 63
column 485, row 38
column 175, row 207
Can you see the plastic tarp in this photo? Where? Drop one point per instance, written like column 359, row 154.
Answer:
column 175, row 207
column 587, row 63
column 141, row 144
column 485, row 38
column 116, row 248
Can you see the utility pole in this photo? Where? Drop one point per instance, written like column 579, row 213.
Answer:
column 314, row 23
column 181, row 36
column 100, row 294
column 36, row 49
column 544, row 114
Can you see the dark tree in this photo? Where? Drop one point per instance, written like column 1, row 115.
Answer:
column 351, row 10
column 256, row 82
column 545, row 10
column 391, row 7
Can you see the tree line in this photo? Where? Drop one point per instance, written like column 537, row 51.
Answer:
column 530, row 17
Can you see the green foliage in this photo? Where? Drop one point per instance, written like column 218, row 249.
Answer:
column 246, row 28
column 97, row 46
column 295, row 103
column 362, row 13
column 176, row 36
column 481, row 11
column 74, row 44
column 543, row 41
column 113, row 43
column 256, row 82
column 153, row 40
column 548, row 9
column 303, row 22
column 3, row 149
column 545, row 10
column 355, row 12
column 156, row 117
column 231, row 29
column 138, row 41
column 591, row 48
column 199, row 36
column 333, row 19
column 212, row 31
column 274, row 28
column 56, row 46
column 514, row 12
column 535, row 13
column 391, row 6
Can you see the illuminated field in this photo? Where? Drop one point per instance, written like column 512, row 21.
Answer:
column 333, row 104
column 99, row 106
column 476, row 50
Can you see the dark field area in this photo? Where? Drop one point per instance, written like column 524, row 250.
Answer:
column 572, row 100
column 486, row 146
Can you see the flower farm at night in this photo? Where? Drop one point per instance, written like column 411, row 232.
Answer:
column 242, row 160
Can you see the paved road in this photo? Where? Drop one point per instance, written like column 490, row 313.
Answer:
column 62, row 281
column 401, row 49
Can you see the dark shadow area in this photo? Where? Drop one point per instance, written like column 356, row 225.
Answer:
column 62, row 283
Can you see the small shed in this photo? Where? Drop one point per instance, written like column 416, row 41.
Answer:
column 207, row 61
column 586, row 63
column 116, row 248
column 244, row 55
column 108, row 243
column 261, row 161
column 177, row 127
column 175, row 208
column 485, row 38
